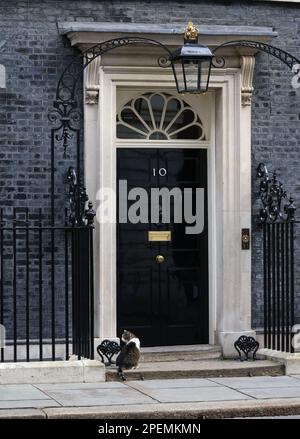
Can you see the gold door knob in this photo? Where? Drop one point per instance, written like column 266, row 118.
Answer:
column 159, row 259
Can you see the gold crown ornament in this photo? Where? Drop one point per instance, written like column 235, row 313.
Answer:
column 191, row 32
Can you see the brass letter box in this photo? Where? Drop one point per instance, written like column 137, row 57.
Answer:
column 159, row 235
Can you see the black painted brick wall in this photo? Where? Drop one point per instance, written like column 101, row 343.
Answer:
column 35, row 54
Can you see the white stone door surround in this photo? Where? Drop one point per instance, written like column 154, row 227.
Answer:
column 229, row 186
column 229, row 183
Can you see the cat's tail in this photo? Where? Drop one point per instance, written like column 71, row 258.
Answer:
column 121, row 374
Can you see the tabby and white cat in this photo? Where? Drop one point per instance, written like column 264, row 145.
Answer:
column 129, row 356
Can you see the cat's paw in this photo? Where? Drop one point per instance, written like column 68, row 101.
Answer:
column 123, row 378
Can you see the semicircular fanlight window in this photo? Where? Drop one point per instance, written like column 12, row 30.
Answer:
column 158, row 116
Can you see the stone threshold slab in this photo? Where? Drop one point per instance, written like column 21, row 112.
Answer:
column 291, row 362
column 182, row 348
column 180, row 352
column 199, row 369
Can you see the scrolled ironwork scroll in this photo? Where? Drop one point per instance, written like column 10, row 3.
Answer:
column 65, row 113
column 246, row 345
column 285, row 57
column 67, row 84
column 108, row 349
column 277, row 207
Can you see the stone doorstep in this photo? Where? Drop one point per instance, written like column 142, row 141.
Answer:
column 86, row 371
column 199, row 369
column 180, row 353
column 290, row 361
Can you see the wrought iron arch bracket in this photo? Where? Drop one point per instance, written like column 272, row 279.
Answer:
column 285, row 57
column 66, row 118
column 65, row 113
column 66, row 86
column 65, row 107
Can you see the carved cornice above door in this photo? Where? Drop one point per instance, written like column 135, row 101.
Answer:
column 84, row 34
column 247, row 70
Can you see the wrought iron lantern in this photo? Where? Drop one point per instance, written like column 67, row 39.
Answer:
column 191, row 63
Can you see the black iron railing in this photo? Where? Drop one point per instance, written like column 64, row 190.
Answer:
column 277, row 218
column 279, row 292
column 46, row 288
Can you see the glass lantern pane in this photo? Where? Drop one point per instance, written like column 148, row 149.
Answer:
column 192, row 73
column 196, row 75
column 179, row 77
column 204, row 75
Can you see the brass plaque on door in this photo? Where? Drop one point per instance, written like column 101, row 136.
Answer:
column 159, row 235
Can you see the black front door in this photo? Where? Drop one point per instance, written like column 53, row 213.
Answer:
column 162, row 286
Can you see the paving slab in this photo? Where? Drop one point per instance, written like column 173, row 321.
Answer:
column 259, row 382
column 79, row 386
column 169, row 384
column 106, row 396
column 275, row 392
column 20, row 392
column 160, row 396
column 198, row 394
